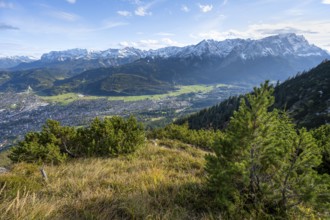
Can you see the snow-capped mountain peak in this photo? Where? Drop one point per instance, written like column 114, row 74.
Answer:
column 211, row 48
column 277, row 45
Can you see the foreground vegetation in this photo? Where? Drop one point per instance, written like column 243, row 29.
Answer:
column 4, row 160
column 155, row 182
column 260, row 167
column 263, row 167
column 102, row 138
column 199, row 138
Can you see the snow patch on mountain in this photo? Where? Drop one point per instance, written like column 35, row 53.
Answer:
column 71, row 54
column 11, row 61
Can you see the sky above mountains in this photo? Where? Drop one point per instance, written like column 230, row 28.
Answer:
column 33, row 27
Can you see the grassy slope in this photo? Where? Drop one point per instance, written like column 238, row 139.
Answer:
column 156, row 182
column 4, row 160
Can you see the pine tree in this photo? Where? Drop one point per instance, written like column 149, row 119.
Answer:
column 262, row 165
column 322, row 136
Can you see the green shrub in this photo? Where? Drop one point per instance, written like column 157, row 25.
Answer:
column 55, row 143
column 32, row 151
column 322, row 136
column 201, row 138
column 110, row 137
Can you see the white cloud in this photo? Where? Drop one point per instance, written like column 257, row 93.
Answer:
column 71, row 1
column 205, row 8
column 124, row 13
column 150, row 43
column 212, row 24
column 66, row 16
column 4, row 4
column 224, row 2
column 142, row 11
column 170, row 42
column 217, row 35
column 185, row 8
column 326, row 2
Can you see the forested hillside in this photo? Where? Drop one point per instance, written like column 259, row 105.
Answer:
column 306, row 97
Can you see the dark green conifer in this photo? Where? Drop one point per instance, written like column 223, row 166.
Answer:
column 262, row 166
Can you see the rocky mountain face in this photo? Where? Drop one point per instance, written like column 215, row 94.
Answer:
column 279, row 45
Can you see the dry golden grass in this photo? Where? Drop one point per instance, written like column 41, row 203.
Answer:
column 154, row 183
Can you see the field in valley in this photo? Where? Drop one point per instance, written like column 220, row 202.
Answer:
column 70, row 97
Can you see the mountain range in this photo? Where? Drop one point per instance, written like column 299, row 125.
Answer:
column 128, row 71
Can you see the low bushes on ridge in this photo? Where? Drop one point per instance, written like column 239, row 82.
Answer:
column 55, row 143
column 200, row 138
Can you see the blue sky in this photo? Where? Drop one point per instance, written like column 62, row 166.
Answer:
column 33, row 27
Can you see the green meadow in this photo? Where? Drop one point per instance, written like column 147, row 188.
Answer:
column 70, row 97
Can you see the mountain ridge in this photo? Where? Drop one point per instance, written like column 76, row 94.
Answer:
column 295, row 44
column 209, row 46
